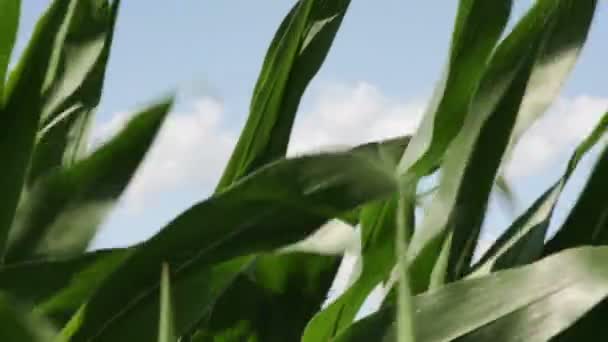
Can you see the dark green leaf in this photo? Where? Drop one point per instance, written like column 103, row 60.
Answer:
column 62, row 212
column 277, row 205
column 378, row 259
column 21, row 113
column 9, row 22
column 294, row 57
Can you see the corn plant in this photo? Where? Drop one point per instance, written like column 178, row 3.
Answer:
column 220, row 271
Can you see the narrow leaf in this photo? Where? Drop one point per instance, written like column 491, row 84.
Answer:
column 165, row 327
column 294, row 57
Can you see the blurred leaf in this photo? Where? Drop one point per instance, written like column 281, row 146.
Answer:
column 294, row 57
column 532, row 303
column 21, row 113
column 67, row 283
column 16, row 325
column 473, row 40
column 9, row 22
column 451, row 226
column 62, row 212
column 166, row 326
column 74, row 88
column 378, row 258
column 277, row 205
column 524, row 240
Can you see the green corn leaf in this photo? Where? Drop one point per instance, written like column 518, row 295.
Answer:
column 74, row 89
column 21, row 113
column 18, row 325
column 451, row 226
column 533, row 303
column 473, row 40
column 523, row 242
column 294, row 57
column 62, row 212
column 277, row 205
column 9, row 22
column 166, row 326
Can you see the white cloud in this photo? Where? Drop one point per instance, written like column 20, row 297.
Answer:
column 353, row 114
column 190, row 150
column 194, row 145
column 555, row 134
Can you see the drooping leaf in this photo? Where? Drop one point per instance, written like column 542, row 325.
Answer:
column 523, row 242
column 21, row 113
column 451, row 226
column 62, row 212
column 533, row 303
column 9, row 22
column 277, row 205
column 74, row 87
column 294, row 57
column 18, row 325
column 473, row 40
column 165, row 326
column 378, row 259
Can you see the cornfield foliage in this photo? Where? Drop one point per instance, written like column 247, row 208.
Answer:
column 219, row 271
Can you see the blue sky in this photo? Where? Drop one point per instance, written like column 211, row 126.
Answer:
column 375, row 82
